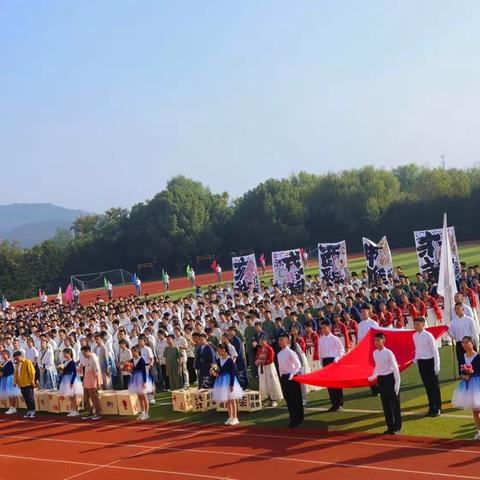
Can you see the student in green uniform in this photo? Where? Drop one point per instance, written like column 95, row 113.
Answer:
column 173, row 363
column 250, row 351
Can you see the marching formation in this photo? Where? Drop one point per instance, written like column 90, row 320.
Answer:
column 222, row 338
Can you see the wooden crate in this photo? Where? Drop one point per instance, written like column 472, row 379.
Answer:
column 250, row 402
column 65, row 404
column 182, row 400
column 109, row 402
column 53, row 403
column 128, row 404
column 41, row 400
column 202, row 400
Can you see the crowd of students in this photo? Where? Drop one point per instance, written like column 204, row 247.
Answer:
column 221, row 338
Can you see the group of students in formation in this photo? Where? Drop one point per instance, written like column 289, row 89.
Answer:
column 221, row 338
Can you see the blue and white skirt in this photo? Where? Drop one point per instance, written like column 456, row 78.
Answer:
column 467, row 394
column 48, row 378
column 136, row 385
column 221, row 389
column 67, row 390
column 7, row 390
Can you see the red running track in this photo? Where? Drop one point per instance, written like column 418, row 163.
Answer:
column 59, row 449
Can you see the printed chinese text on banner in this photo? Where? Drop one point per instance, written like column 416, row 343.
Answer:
column 245, row 272
column 428, row 244
column 332, row 259
column 378, row 258
column 288, row 269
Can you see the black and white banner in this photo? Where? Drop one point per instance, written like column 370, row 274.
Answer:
column 288, row 269
column 332, row 259
column 245, row 272
column 378, row 258
column 428, row 244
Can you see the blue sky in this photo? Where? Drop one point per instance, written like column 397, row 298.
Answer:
column 101, row 102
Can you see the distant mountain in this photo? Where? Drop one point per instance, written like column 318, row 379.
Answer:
column 31, row 223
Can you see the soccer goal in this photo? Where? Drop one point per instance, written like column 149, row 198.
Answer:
column 92, row 281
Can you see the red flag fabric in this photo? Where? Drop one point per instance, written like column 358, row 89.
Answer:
column 69, row 293
column 213, row 266
column 353, row 370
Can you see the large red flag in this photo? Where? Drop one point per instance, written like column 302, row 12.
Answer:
column 213, row 266
column 69, row 293
column 353, row 370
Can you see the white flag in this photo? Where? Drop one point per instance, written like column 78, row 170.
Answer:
column 59, row 296
column 447, row 286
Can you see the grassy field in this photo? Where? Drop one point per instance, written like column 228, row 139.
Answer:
column 361, row 411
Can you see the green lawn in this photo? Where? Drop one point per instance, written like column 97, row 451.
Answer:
column 362, row 412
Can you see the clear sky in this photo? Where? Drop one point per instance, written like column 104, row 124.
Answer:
column 102, row 101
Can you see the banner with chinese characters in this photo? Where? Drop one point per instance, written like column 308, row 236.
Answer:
column 288, row 269
column 428, row 244
column 332, row 259
column 245, row 272
column 378, row 258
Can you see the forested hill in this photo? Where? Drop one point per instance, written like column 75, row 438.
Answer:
column 31, row 223
column 186, row 220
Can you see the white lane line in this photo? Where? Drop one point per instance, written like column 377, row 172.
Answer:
column 116, row 467
column 239, row 432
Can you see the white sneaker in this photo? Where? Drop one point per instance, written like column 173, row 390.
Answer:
column 145, row 416
column 274, row 404
column 477, row 436
column 228, row 422
column 139, row 417
column 74, row 413
column 11, row 411
column 152, row 401
column 235, row 421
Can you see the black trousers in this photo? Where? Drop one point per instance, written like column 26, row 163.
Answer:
column 192, row 373
column 29, row 397
column 460, row 351
column 430, row 382
column 293, row 397
column 166, row 382
column 390, row 402
column 335, row 394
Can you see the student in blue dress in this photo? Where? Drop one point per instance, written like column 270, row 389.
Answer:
column 140, row 383
column 7, row 388
column 226, row 388
column 467, row 394
column 70, row 384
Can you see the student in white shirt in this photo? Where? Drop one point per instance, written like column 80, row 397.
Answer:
column 428, row 361
column 462, row 326
column 388, row 376
column 289, row 365
column 363, row 328
column 331, row 350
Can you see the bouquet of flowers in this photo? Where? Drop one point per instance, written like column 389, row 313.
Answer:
column 127, row 367
column 467, row 371
column 60, row 368
column 214, row 370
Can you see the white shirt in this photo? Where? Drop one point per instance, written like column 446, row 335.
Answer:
column 426, row 348
column 330, row 347
column 385, row 364
column 147, row 355
column 46, row 358
column 288, row 362
column 364, row 326
column 463, row 327
column 31, row 354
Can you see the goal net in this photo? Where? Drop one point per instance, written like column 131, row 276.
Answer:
column 91, row 281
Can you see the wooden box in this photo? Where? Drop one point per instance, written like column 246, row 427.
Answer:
column 182, row 400
column 250, row 402
column 4, row 403
column 41, row 400
column 53, row 402
column 108, row 402
column 128, row 404
column 66, row 406
column 202, row 400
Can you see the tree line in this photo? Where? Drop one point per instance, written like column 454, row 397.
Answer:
column 187, row 220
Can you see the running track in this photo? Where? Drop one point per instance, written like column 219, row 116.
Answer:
column 59, row 449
